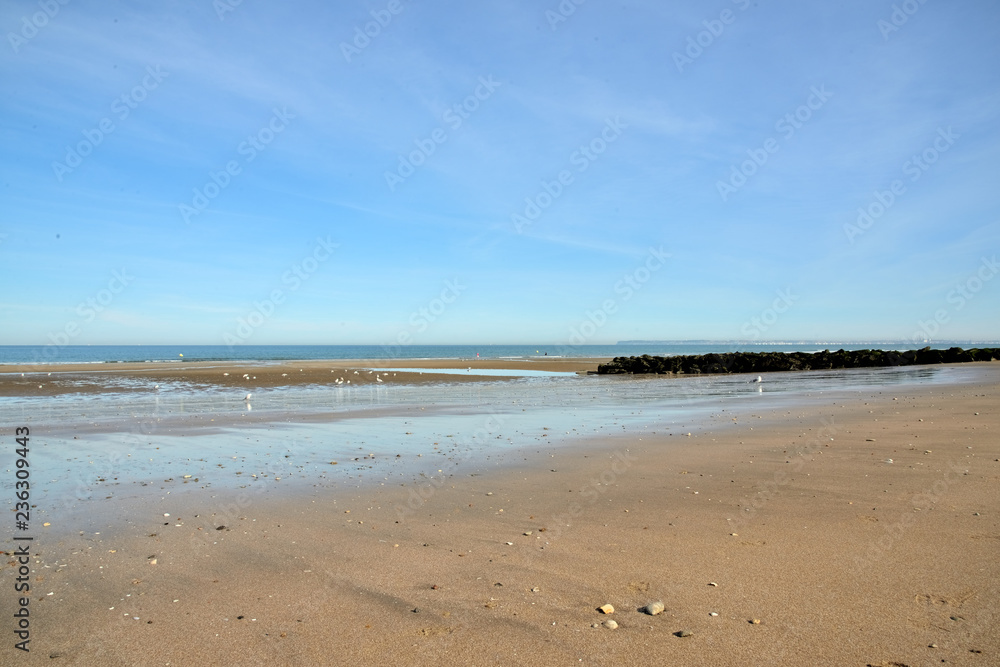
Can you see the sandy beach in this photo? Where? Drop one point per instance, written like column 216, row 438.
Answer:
column 861, row 529
column 49, row 380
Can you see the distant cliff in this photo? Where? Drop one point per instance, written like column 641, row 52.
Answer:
column 769, row 362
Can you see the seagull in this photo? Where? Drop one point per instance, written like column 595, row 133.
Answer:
column 247, row 398
column 757, row 381
column 156, row 387
column 378, row 379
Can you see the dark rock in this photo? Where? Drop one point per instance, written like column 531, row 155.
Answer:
column 770, row 362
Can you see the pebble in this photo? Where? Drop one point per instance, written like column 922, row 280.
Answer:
column 610, row 625
column 755, row 621
column 684, row 633
column 606, row 609
column 527, row 532
column 653, row 608
column 713, row 613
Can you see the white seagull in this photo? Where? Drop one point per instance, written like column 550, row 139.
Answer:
column 758, row 380
column 247, row 398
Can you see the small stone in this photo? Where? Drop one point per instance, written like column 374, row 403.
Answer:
column 932, row 646
column 754, row 621
column 527, row 532
column 713, row 613
column 606, row 609
column 653, row 608
column 536, row 589
column 509, row 543
column 683, row 633
column 610, row 625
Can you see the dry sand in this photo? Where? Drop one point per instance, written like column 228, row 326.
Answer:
column 843, row 557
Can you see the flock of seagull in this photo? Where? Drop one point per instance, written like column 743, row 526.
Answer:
column 339, row 381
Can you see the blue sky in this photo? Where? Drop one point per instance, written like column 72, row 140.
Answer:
column 739, row 138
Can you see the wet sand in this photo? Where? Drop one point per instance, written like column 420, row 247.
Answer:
column 59, row 379
column 798, row 517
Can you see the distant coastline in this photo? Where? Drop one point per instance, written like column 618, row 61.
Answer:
column 52, row 354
